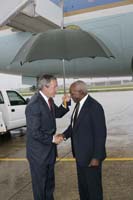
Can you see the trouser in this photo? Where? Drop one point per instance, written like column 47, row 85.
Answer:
column 43, row 181
column 90, row 182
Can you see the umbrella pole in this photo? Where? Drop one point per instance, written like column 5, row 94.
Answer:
column 64, row 81
column 63, row 61
column 64, row 75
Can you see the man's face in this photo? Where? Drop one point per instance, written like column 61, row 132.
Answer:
column 75, row 94
column 51, row 90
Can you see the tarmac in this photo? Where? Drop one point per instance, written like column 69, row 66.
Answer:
column 15, row 180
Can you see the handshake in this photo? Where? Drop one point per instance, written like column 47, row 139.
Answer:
column 57, row 139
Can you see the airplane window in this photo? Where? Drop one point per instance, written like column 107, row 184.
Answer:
column 15, row 99
column 1, row 99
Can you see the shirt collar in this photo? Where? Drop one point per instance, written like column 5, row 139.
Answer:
column 44, row 96
column 83, row 100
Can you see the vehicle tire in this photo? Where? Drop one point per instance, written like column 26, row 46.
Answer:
column 8, row 134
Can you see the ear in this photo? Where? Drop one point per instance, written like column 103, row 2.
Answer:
column 47, row 86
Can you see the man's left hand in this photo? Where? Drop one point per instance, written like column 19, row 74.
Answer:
column 58, row 139
column 94, row 163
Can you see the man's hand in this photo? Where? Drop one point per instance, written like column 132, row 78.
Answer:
column 94, row 163
column 66, row 100
column 58, row 138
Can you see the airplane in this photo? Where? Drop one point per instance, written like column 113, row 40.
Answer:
column 111, row 22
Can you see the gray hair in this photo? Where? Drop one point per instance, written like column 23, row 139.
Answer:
column 45, row 80
column 80, row 86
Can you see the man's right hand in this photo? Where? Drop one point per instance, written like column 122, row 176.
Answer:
column 58, row 138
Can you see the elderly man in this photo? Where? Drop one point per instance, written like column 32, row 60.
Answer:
column 88, row 135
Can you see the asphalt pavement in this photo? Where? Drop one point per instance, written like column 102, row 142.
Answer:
column 15, row 180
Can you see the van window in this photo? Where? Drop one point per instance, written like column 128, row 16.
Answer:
column 1, row 98
column 15, row 99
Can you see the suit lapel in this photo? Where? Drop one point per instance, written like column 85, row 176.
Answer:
column 86, row 106
column 45, row 105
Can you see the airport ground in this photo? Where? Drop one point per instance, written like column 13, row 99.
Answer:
column 15, row 181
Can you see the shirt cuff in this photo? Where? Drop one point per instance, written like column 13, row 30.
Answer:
column 53, row 140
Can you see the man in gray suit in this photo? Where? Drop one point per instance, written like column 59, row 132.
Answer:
column 41, row 140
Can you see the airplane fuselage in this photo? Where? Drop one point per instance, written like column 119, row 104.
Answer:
column 115, row 31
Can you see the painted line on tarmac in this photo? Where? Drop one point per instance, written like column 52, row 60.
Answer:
column 13, row 159
column 119, row 159
column 107, row 159
column 66, row 159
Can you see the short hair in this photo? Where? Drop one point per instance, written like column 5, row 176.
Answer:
column 45, row 80
column 80, row 86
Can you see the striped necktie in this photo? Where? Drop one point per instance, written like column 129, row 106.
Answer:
column 75, row 116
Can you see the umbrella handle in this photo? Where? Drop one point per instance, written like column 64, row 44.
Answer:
column 65, row 104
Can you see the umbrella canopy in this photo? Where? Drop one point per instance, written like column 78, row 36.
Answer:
column 63, row 44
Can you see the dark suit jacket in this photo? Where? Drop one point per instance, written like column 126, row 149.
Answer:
column 89, row 133
column 41, row 127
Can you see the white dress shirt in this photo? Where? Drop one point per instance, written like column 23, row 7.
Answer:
column 45, row 97
column 81, row 102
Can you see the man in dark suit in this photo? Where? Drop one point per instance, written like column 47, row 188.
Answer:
column 41, row 140
column 88, row 135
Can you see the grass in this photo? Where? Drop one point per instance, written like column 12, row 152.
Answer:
column 111, row 88
column 108, row 88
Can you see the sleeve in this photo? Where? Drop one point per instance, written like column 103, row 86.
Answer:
column 99, row 132
column 60, row 111
column 68, row 132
